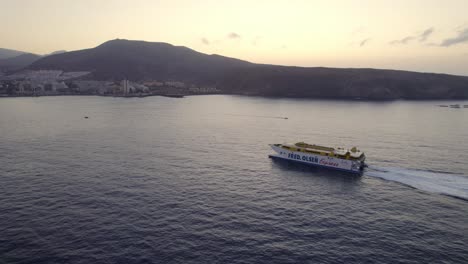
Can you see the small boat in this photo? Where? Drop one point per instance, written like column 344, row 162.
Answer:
column 349, row 160
column 455, row 106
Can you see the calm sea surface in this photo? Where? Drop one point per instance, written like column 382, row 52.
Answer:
column 164, row 180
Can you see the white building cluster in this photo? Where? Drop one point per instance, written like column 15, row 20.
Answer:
column 42, row 82
column 55, row 82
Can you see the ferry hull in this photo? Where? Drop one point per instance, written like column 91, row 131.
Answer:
column 353, row 166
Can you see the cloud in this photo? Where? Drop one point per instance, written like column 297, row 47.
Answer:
column 233, row 35
column 461, row 38
column 422, row 37
column 404, row 40
column 205, row 41
column 364, row 42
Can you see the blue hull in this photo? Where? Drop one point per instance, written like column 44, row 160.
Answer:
column 314, row 165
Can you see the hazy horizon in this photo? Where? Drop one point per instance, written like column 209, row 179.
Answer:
column 424, row 36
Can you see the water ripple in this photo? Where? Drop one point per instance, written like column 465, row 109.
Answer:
column 177, row 181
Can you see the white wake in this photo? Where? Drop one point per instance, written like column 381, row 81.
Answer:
column 444, row 183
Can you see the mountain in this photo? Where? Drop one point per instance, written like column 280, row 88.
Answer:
column 56, row 52
column 14, row 60
column 18, row 62
column 139, row 60
column 336, row 83
column 8, row 53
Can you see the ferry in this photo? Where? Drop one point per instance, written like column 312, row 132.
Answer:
column 349, row 160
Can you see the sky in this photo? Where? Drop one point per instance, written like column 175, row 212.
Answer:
column 416, row 35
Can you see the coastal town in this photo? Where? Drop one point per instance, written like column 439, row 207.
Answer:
column 56, row 82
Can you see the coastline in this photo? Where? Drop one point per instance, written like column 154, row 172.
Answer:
column 346, row 99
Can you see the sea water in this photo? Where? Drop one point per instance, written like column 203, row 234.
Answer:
column 166, row 180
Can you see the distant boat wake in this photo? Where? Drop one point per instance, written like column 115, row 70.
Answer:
column 444, row 183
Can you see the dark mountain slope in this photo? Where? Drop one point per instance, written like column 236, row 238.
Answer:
column 56, row 52
column 137, row 60
column 344, row 83
column 8, row 53
column 18, row 62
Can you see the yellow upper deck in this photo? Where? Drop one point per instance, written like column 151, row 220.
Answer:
column 353, row 154
column 314, row 147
